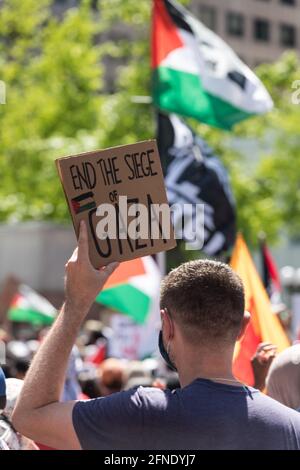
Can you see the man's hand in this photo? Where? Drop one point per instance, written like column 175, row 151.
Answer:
column 38, row 413
column 83, row 282
column 261, row 362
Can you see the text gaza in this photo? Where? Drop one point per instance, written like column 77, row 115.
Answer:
column 139, row 165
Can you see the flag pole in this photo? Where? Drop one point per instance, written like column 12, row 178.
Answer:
column 160, row 258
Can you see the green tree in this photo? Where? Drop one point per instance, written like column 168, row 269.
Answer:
column 57, row 104
column 261, row 201
column 53, row 75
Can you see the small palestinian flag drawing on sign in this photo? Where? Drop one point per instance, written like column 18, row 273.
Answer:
column 77, row 201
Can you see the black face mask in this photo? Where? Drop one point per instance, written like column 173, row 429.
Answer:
column 164, row 353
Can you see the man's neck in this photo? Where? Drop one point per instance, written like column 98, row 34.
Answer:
column 207, row 364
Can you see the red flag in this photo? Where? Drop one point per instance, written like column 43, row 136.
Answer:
column 264, row 325
column 271, row 277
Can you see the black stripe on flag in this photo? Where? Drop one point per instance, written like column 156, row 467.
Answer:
column 177, row 16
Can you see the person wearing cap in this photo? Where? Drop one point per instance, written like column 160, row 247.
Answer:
column 203, row 314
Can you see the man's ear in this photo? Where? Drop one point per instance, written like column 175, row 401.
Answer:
column 245, row 323
column 167, row 325
column 162, row 315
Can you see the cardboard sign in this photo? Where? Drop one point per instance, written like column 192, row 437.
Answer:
column 120, row 194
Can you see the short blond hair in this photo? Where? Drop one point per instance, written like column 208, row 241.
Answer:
column 206, row 298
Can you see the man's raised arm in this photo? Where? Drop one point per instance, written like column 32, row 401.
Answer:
column 38, row 414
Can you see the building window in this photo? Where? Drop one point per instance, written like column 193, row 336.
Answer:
column 288, row 2
column 235, row 24
column 261, row 30
column 288, row 35
column 208, row 16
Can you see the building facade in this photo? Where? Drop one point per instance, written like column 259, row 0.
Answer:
column 258, row 30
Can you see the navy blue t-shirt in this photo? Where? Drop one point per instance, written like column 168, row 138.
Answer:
column 203, row 415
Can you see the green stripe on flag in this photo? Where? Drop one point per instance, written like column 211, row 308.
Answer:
column 126, row 299
column 29, row 316
column 182, row 93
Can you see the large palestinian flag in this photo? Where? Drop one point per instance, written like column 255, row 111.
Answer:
column 132, row 288
column 195, row 73
column 30, row 307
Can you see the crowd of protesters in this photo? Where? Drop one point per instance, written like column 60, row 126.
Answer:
column 204, row 399
column 91, row 373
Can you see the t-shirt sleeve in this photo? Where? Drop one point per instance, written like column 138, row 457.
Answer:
column 113, row 422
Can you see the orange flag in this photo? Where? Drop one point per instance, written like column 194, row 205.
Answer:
column 264, row 325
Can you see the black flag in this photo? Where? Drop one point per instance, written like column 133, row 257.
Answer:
column 194, row 176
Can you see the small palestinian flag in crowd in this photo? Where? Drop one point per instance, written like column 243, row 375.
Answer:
column 30, row 307
column 196, row 74
column 132, row 288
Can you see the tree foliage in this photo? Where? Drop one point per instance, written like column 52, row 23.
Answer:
column 58, row 104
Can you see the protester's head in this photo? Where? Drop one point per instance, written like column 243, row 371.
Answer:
column 204, row 301
column 138, row 381
column 2, row 390
column 112, row 376
column 137, row 375
column 94, row 330
column 89, row 381
column 283, row 380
